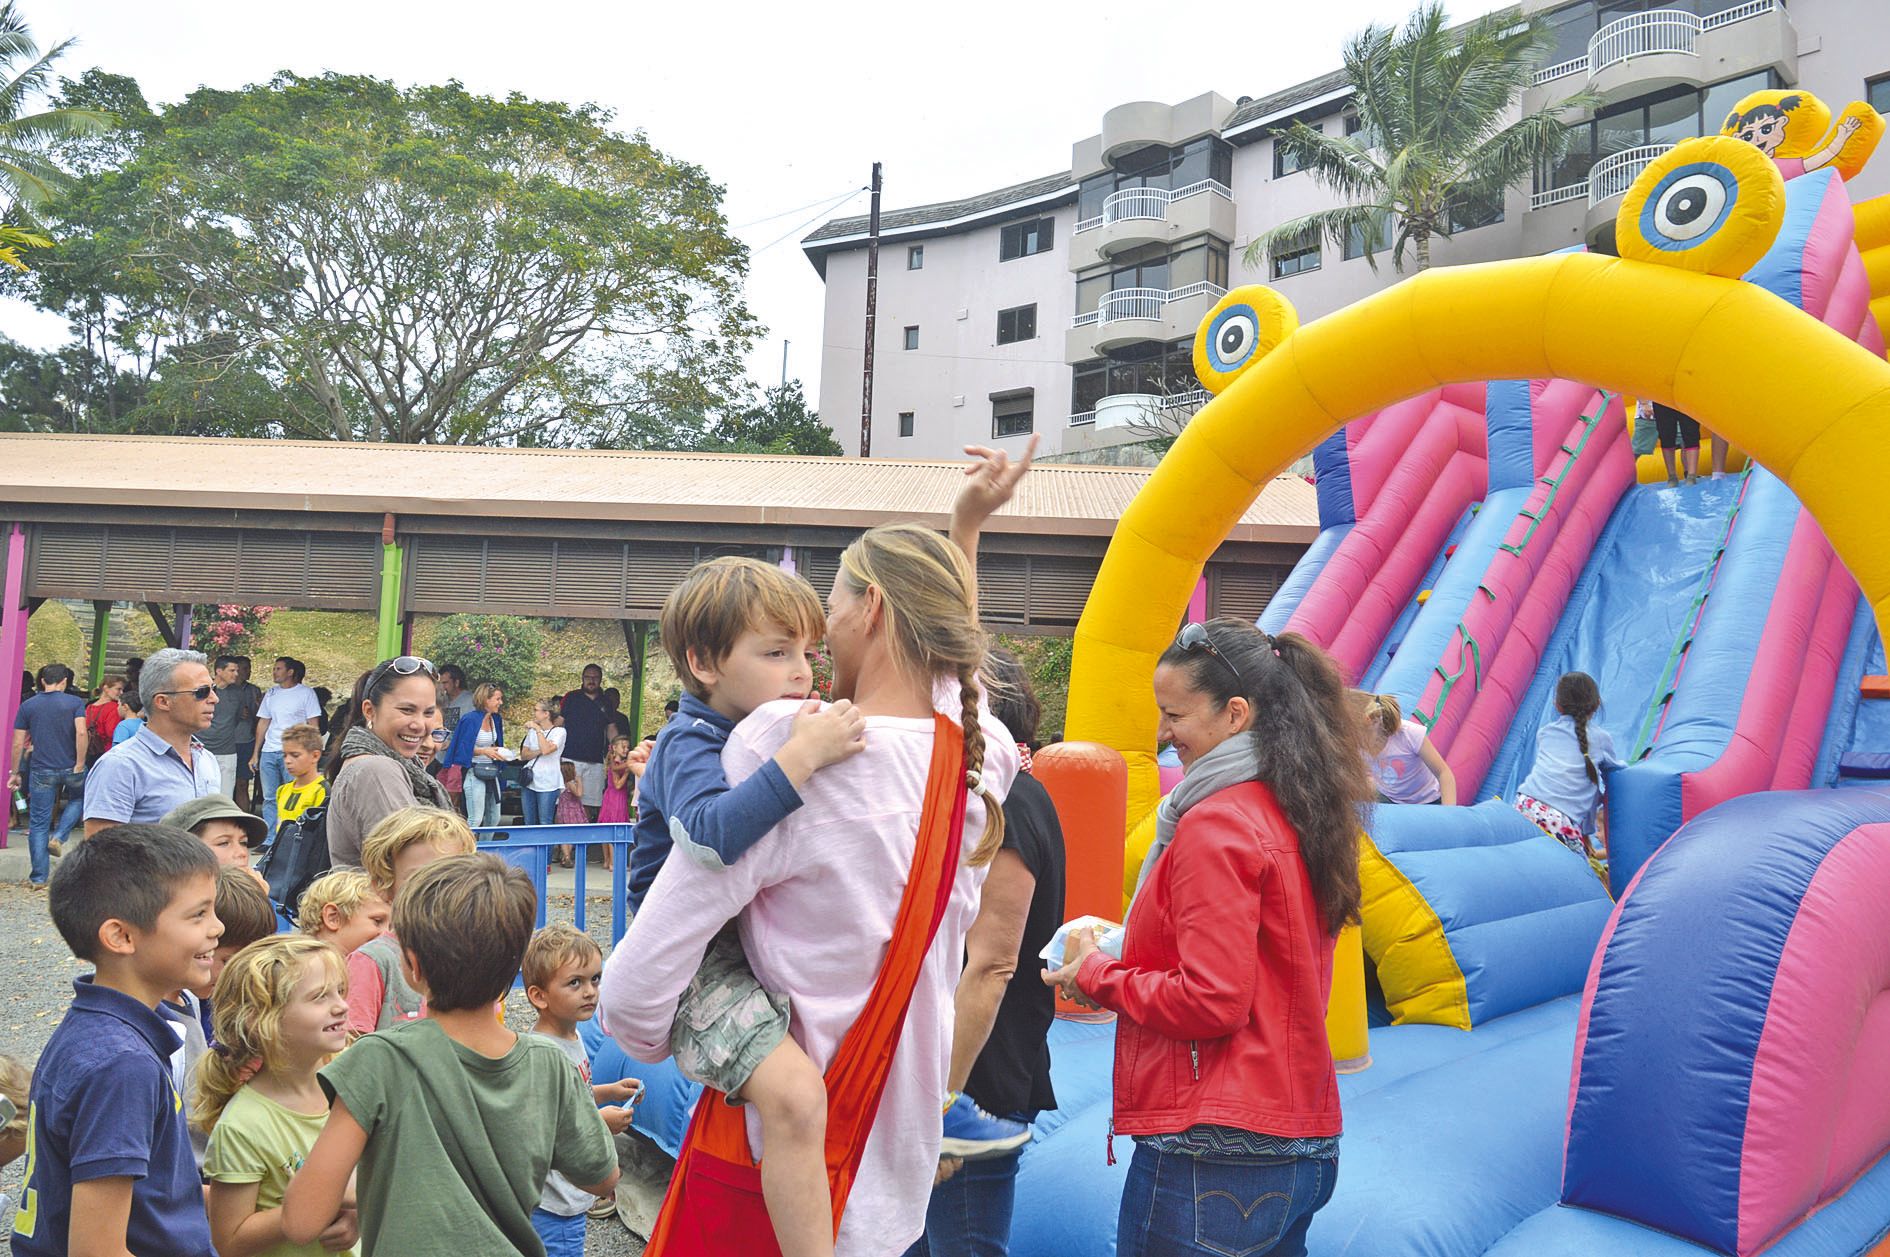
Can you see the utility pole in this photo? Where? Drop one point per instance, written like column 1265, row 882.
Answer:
column 872, row 309
column 784, row 344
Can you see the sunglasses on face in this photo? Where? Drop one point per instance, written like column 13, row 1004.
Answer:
column 200, row 693
column 1195, row 637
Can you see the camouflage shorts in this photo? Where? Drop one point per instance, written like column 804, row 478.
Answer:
column 725, row 1023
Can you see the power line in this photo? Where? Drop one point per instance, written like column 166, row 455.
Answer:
column 797, row 209
column 818, row 215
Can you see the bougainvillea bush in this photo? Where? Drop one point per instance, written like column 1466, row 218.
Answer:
column 225, row 628
column 502, row 649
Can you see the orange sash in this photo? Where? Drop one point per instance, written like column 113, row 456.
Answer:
column 714, row 1205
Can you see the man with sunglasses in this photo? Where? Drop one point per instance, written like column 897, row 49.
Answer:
column 163, row 764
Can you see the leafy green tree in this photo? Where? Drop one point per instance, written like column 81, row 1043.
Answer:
column 781, row 422
column 52, row 390
column 337, row 257
column 1434, row 148
column 502, row 649
column 28, row 177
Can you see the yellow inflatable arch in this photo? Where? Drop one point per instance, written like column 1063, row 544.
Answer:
column 1668, row 320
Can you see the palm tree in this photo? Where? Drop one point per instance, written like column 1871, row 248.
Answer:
column 13, row 239
column 1432, row 139
column 28, row 178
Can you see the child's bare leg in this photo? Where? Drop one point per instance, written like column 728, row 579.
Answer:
column 790, row 1097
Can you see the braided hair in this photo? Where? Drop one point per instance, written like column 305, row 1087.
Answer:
column 930, row 601
column 1579, row 698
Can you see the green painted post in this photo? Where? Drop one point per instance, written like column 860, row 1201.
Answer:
column 638, row 639
column 388, row 629
column 101, row 627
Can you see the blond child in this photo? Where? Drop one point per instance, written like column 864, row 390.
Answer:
column 562, row 969
column 1408, row 768
column 301, row 762
column 281, row 1013
column 454, row 1121
column 405, row 842
column 342, row 907
column 741, row 633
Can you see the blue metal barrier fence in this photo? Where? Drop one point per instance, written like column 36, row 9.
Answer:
column 530, row 848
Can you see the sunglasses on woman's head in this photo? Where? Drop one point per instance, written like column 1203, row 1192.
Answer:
column 406, row 666
column 1194, row 636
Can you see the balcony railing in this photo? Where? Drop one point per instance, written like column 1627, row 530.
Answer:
column 1141, row 303
column 1615, row 174
column 1659, row 31
column 1156, row 404
column 1150, row 203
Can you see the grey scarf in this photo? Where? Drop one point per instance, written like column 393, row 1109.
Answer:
column 361, row 740
column 1228, row 764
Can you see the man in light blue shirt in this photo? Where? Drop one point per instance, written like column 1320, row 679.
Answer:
column 163, row 764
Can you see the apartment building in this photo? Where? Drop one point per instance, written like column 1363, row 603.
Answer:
column 1067, row 305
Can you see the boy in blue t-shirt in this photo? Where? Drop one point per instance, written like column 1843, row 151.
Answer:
column 109, row 1166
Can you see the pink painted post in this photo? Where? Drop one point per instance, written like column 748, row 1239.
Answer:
column 787, row 561
column 1197, row 602
column 12, row 655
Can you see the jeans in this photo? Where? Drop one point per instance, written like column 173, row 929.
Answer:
column 41, row 789
column 563, row 1237
column 482, row 800
column 1175, row 1204
column 970, row 1213
column 541, row 806
column 274, row 777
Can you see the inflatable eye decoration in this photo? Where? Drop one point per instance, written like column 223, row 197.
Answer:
column 1713, row 205
column 1243, row 328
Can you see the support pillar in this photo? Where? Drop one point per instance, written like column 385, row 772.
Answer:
column 180, row 616
column 164, row 628
column 388, row 635
column 13, row 617
column 101, row 630
column 636, row 636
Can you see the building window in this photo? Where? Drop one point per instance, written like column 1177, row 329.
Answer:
column 1145, row 368
column 1355, row 129
column 1380, row 232
column 1017, row 323
column 1153, row 266
column 1664, row 117
column 1283, row 165
column 912, row 337
column 915, row 257
column 1208, row 158
column 1467, row 212
column 1012, row 416
column 1023, row 239
column 1295, row 256
column 1877, row 92
column 905, row 423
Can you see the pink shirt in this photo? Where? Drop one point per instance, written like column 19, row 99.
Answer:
column 815, row 901
column 1403, row 777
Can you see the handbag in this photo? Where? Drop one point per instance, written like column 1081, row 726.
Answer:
column 485, row 768
column 294, row 858
column 714, row 1205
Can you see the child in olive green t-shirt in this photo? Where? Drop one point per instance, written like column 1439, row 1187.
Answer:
column 510, row 1107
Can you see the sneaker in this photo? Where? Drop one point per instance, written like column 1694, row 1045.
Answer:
column 55, row 847
column 974, row 1135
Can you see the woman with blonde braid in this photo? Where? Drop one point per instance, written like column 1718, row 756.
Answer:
column 817, row 899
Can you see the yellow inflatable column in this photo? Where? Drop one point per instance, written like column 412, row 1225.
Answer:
column 1347, row 1029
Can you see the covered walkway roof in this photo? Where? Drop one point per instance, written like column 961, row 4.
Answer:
column 401, row 529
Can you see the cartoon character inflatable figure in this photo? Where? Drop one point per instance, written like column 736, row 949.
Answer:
column 1794, row 129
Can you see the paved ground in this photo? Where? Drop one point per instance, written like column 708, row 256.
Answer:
column 36, row 973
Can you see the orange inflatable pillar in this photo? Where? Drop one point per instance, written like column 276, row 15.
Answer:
column 1089, row 783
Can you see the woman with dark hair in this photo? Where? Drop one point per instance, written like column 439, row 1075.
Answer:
column 374, row 756
column 1223, row 1073
column 1000, row 1064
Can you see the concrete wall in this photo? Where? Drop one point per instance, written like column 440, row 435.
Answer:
column 948, row 380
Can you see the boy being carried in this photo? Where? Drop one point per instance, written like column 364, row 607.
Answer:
column 454, row 1121
column 741, row 633
column 562, row 969
column 111, row 1168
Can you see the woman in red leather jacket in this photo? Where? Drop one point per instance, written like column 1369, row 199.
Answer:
column 1223, row 1074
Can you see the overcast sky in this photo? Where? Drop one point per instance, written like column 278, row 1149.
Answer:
column 785, row 105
